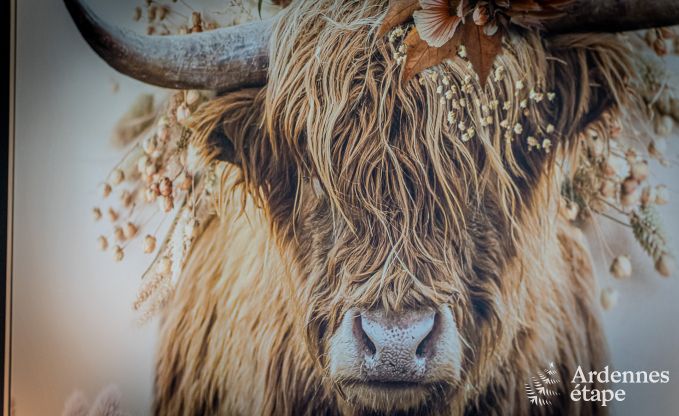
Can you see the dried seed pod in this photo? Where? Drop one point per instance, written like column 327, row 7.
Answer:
column 142, row 163
column 664, row 125
column 152, row 13
column 166, row 203
column 196, row 19
column 609, row 298
column 639, row 171
column 192, row 98
column 118, row 253
column 165, row 186
column 607, row 189
column 662, row 195
column 629, row 200
column 491, row 28
column 119, row 234
column 163, row 134
column 665, row 33
column 569, row 210
column 608, row 169
column 163, row 11
column 481, row 14
column 650, row 37
column 621, row 267
column 647, row 196
column 96, row 213
column 657, row 147
column 629, row 186
column 150, row 195
column 126, row 198
column 183, row 113
column 150, row 144
column 112, row 215
column 130, row 230
column 106, row 190
column 117, row 176
column 660, row 47
column 665, row 265
column 165, row 265
column 102, row 242
column 186, row 182
column 149, row 244
column 151, row 169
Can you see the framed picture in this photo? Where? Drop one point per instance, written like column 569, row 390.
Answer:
column 283, row 207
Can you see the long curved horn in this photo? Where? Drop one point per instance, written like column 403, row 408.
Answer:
column 222, row 59
column 615, row 16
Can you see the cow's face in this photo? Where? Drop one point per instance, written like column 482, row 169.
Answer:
column 406, row 239
column 395, row 298
column 411, row 236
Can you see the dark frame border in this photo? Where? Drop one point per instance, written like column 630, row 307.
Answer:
column 7, row 90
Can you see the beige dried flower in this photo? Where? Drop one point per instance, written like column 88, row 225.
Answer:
column 119, row 234
column 481, row 14
column 665, row 265
column 149, row 244
column 165, row 265
column 639, row 170
column 662, row 195
column 117, row 176
column 112, row 215
column 165, row 186
column 621, row 267
column 126, row 198
column 130, row 230
column 106, row 190
column 118, row 253
column 192, row 98
column 96, row 213
column 183, row 113
column 102, row 242
column 657, row 147
column 166, row 203
column 609, row 298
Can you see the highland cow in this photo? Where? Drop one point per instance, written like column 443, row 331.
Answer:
column 366, row 260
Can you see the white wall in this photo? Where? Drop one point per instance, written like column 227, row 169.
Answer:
column 73, row 326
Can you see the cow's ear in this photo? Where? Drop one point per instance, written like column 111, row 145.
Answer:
column 591, row 75
column 227, row 125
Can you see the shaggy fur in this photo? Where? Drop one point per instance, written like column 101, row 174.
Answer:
column 349, row 188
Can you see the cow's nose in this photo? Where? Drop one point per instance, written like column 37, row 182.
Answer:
column 396, row 346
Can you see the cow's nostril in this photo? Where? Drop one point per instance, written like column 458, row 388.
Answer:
column 422, row 349
column 363, row 338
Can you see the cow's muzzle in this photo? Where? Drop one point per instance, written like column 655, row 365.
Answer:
column 384, row 354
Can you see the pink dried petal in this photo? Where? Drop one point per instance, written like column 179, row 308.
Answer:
column 434, row 22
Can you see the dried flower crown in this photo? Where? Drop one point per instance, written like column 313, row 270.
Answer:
column 442, row 26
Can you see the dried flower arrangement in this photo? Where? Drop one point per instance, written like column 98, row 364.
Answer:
column 609, row 180
column 473, row 28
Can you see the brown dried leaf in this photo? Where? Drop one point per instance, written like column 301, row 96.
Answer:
column 481, row 49
column 399, row 11
column 422, row 56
